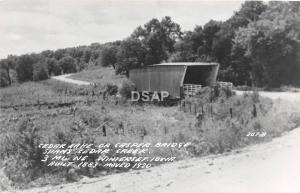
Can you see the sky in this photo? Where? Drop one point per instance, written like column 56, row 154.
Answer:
column 28, row 26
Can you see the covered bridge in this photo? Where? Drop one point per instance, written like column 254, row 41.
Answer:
column 178, row 79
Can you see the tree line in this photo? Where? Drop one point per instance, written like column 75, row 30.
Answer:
column 259, row 45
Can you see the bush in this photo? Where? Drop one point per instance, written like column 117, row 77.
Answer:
column 20, row 150
column 111, row 89
column 126, row 89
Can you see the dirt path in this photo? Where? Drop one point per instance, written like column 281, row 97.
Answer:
column 65, row 78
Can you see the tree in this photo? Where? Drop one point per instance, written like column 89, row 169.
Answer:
column 40, row 71
column 132, row 54
column 4, row 79
column 53, row 66
column 210, row 31
column 159, row 38
column 109, row 56
column 5, row 67
column 272, row 45
column 189, row 47
column 67, row 64
column 59, row 54
column 47, row 54
column 87, row 54
column 231, row 62
column 183, row 52
column 24, row 67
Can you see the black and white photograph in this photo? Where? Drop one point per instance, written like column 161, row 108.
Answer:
column 149, row 96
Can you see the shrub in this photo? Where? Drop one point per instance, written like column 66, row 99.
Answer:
column 126, row 89
column 111, row 89
column 23, row 157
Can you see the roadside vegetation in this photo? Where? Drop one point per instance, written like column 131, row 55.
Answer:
column 54, row 112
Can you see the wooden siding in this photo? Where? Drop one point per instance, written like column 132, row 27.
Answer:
column 158, row 78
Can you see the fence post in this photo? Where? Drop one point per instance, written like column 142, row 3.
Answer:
column 143, row 132
column 254, row 111
column 165, row 130
column 104, row 130
column 182, row 106
column 121, row 128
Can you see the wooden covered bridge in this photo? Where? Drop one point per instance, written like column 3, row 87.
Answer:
column 179, row 79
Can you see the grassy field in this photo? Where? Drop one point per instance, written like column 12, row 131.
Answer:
column 43, row 112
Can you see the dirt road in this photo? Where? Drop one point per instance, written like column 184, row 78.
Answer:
column 65, row 78
column 289, row 96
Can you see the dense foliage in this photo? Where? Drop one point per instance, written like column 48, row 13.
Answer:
column 40, row 66
column 259, row 45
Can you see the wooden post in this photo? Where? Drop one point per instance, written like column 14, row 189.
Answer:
column 104, row 130
column 165, row 130
column 121, row 128
column 182, row 106
column 143, row 132
column 254, row 111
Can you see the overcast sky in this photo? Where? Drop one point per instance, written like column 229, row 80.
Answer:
column 34, row 25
